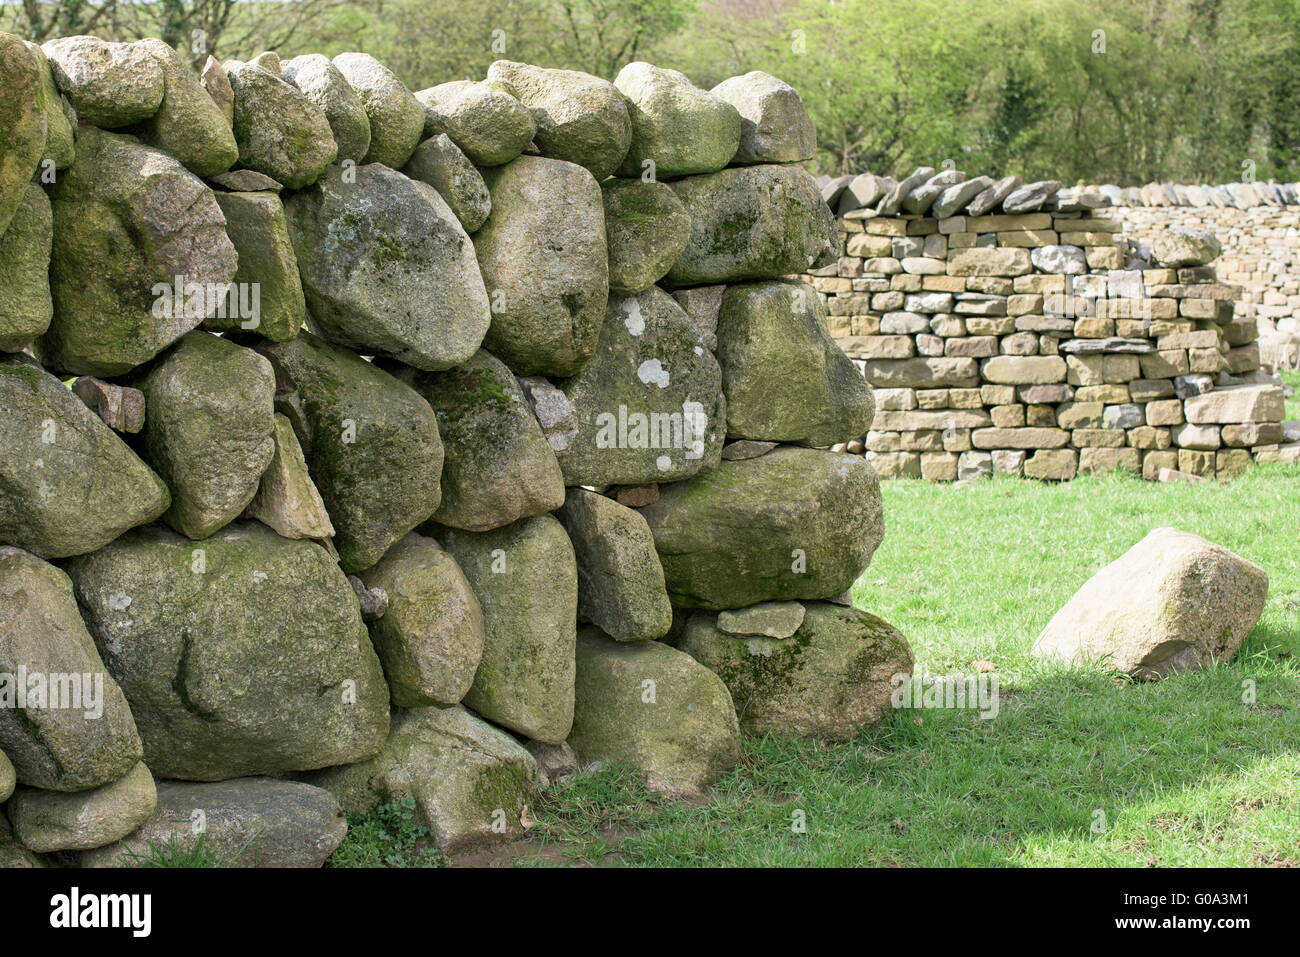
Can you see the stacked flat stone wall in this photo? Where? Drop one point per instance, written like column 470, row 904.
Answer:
column 1013, row 328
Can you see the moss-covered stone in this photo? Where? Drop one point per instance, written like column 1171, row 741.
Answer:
column 830, row 679
column 208, row 429
column 22, row 123
column 287, row 500
column 68, row 484
column 647, row 229
column 47, row 821
column 60, row 143
column 13, row 854
column 395, row 116
column 430, row 639
column 774, row 125
column 489, row 124
column 188, row 123
column 440, row 163
column 620, row 581
column 470, row 781
column 370, row 441
column 25, row 304
column 791, row 524
column 8, row 778
column 526, row 580
column 676, row 125
column 820, row 398
column 545, row 263
column 85, row 738
column 280, row 131
column 241, row 654
column 646, row 705
column 322, row 83
column 256, row 224
column 111, row 85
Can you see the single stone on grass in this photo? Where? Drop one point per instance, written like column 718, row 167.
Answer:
column 792, row 524
column 48, row 821
column 620, row 581
column 1173, row 602
column 830, row 678
column 248, row 822
column 647, row 229
column 367, row 438
column 243, row 654
column 64, row 745
column 656, row 709
column 208, row 429
column 68, row 484
column 430, row 638
column 525, row 676
column 387, row 268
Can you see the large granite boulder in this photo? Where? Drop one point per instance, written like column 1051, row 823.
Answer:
column 1173, row 602
column 656, row 709
column 387, row 268
column 110, row 85
column 580, row 118
column 25, row 304
column 208, row 432
column 471, row 783
column 242, row 654
column 791, row 524
column 396, row 117
column 649, row 404
column 68, row 484
column 647, row 229
column 487, row 123
column 129, row 220
column 497, row 465
column 820, row 398
column 440, row 163
column 753, row 222
column 774, row 125
column 47, row 821
column 280, row 131
column 248, row 822
column 830, row 679
column 188, row 124
column 64, row 723
column 367, row 438
column 320, row 81
column 431, row 637
column 676, row 126
column 544, row 261
column 525, row 677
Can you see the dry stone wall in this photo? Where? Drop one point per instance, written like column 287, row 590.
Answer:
column 361, row 443
column 1011, row 327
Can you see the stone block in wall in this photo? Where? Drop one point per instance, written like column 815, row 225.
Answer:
column 989, row 262
column 1154, row 462
column 976, row 347
column 1023, row 438
column 1248, row 434
column 1009, row 461
column 936, row 420
column 1236, row 404
column 1149, row 437
column 1051, row 394
column 1052, row 465
column 896, row 400
column 1164, row 364
column 1196, row 462
column 1098, row 461
column 1230, row 463
column 1008, row 416
column 1019, row 344
column 1149, row 390
column 1039, row 415
column 1165, row 412
column 1024, row 370
column 1100, row 438
column 896, row 465
column 922, row 373
column 1202, row 437
column 990, row 325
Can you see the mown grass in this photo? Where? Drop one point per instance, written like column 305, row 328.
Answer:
column 1078, row 768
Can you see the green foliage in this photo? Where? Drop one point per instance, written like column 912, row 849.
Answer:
column 386, row 837
column 173, row 854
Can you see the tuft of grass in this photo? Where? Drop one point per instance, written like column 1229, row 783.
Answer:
column 173, row 855
column 1078, row 768
column 386, row 837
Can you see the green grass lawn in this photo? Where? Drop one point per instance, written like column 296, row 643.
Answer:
column 1078, row 768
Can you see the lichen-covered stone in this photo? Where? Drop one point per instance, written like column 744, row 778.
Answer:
column 487, row 123
column 678, row 127
column 753, row 222
column 370, row 441
column 1179, row 245
column 525, row 677
column 256, row 225
column 25, row 304
column 646, row 705
column 242, row 654
column 543, row 256
column 68, row 484
column 497, row 465
column 819, row 398
column 321, row 82
column 128, row 220
column 649, row 405
column 774, row 125
column 47, row 821
column 22, row 123
column 60, row 142
column 580, row 118
column 8, row 778
column 470, row 781
column 248, row 822
column 647, row 229
column 430, row 638
column 440, row 163
column 188, row 123
column 280, row 131
column 110, row 85
column 791, row 524
column 620, row 581
column 14, row 855
column 830, row 679
column 87, row 737
column 287, row 500
column 217, row 83
column 387, row 267
column 396, row 116
column 208, row 429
